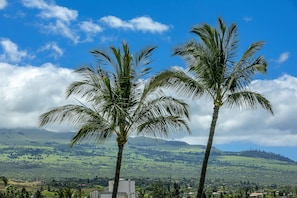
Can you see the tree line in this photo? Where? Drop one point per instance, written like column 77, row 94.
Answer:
column 150, row 187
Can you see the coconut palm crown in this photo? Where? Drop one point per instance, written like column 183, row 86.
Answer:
column 215, row 71
column 117, row 101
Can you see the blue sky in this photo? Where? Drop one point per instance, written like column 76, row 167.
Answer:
column 42, row 42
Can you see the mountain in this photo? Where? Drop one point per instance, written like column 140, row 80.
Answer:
column 25, row 135
column 40, row 154
column 265, row 155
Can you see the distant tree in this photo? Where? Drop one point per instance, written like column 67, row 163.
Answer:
column 38, row 194
column 60, row 193
column 68, row 193
column 4, row 179
column 119, row 102
column 24, row 193
column 158, row 190
column 176, row 190
column 11, row 191
column 141, row 193
column 216, row 71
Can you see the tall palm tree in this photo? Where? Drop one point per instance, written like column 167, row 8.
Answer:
column 118, row 102
column 215, row 71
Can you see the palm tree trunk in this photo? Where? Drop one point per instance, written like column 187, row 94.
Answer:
column 118, row 170
column 207, row 150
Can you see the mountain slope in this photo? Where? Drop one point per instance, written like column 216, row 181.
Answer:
column 34, row 153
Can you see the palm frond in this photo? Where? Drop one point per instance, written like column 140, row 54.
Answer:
column 222, row 26
column 230, row 46
column 248, row 99
column 91, row 83
column 142, row 60
column 242, row 75
column 143, row 55
column 152, row 114
column 92, row 131
column 161, row 126
column 251, row 51
column 165, row 105
column 102, row 56
column 247, row 57
column 206, row 34
column 115, row 101
column 75, row 114
column 181, row 82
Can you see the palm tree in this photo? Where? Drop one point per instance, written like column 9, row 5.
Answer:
column 118, row 102
column 214, row 71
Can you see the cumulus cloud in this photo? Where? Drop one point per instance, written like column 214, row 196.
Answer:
column 52, row 11
column 62, row 17
column 90, row 28
column 254, row 126
column 60, row 28
column 30, row 91
column 56, row 51
column 11, row 52
column 62, row 21
column 3, row 4
column 144, row 23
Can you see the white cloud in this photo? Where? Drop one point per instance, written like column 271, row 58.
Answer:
column 255, row 126
column 283, row 57
column 116, row 22
column 50, row 11
column 52, row 46
column 63, row 21
column 30, row 91
column 90, row 28
column 60, row 28
column 11, row 53
column 62, row 17
column 3, row 4
column 145, row 24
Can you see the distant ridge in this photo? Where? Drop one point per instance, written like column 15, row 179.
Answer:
column 31, row 153
column 25, row 135
column 266, row 155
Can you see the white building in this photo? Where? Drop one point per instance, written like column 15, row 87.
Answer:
column 126, row 189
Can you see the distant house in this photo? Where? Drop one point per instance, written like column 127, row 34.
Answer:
column 217, row 193
column 257, row 195
column 126, row 189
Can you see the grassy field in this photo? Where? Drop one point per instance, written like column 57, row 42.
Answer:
column 49, row 157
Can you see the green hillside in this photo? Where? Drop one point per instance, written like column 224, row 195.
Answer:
column 39, row 154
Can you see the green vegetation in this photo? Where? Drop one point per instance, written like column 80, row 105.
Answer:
column 117, row 103
column 54, row 159
column 216, row 71
column 146, row 188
